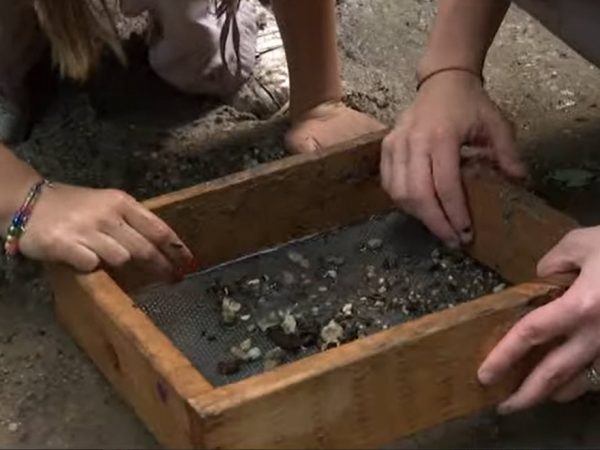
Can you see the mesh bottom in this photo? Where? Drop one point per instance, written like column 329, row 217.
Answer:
column 409, row 275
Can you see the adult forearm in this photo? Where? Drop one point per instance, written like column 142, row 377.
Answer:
column 308, row 29
column 462, row 34
column 16, row 178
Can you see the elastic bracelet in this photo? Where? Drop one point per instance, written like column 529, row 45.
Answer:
column 19, row 221
column 427, row 77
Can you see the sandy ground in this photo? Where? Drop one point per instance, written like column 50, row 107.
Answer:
column 117, row 135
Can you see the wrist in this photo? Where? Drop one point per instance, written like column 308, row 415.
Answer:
column 451, row 72
column 14, row 198
column 21, row 217
column 428, row 65
column 303, row 106
column 319, row 110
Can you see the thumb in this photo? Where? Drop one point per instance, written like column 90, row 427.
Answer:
column 504, row 146
column 564, row 257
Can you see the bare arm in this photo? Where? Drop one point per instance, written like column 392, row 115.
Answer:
column 16, row 178
column 462, row 34
column 421, row 157
column 309, row 36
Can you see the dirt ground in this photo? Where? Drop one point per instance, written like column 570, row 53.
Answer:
column 50, row 394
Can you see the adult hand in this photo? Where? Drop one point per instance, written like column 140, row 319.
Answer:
column 90, row 228
column 573, row 321
column 328, row 124
column 420, row 165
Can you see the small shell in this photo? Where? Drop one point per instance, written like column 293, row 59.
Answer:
column 246, row 345
column 374, row 244
column 254, row 354
column 298, row 259
column 289, row 325
column 332, row 333
column 230, row 309
column 347, row 309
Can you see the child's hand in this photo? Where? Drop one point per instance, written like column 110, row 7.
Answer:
column 421, row 157
column 326, row 125
column 571, row 323
column 92, row 228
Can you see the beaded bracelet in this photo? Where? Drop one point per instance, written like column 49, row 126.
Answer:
column 21, row 217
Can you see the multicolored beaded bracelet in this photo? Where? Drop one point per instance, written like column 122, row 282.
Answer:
column 21, row 217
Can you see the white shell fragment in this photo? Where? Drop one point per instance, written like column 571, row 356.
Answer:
column 230, row 309
column 332, row 333
column 298, row 259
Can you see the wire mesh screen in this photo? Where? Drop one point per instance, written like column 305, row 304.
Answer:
column 278, row 306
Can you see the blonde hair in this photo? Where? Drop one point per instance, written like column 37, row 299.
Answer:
column 78, row 31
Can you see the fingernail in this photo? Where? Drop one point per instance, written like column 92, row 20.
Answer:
column 505, row 408
column 485, row 377
column 466, row 235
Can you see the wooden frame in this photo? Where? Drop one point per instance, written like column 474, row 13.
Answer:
column 364, row 394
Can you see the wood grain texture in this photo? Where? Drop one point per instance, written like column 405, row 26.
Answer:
column 513, row 228
column 135, row 357
column 271, row 204
column 240, row 214
column 364, row 394
column 374, row 391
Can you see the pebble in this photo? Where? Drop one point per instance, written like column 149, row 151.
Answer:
column 245, row 317
column 229, row 365
column 246, row 345
column 347, row 309
column 253, row 283
column 13, row 427
column 332, row 333
column 331, row 274
column 230, row 309
column 298, row 259
column 270, row 364
column 269, row 321
column 254, row 354
column 237, row 353
column 289, row 342
column 274, row 358
column 322, row 289
column 289, row 325
column 374, row 244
